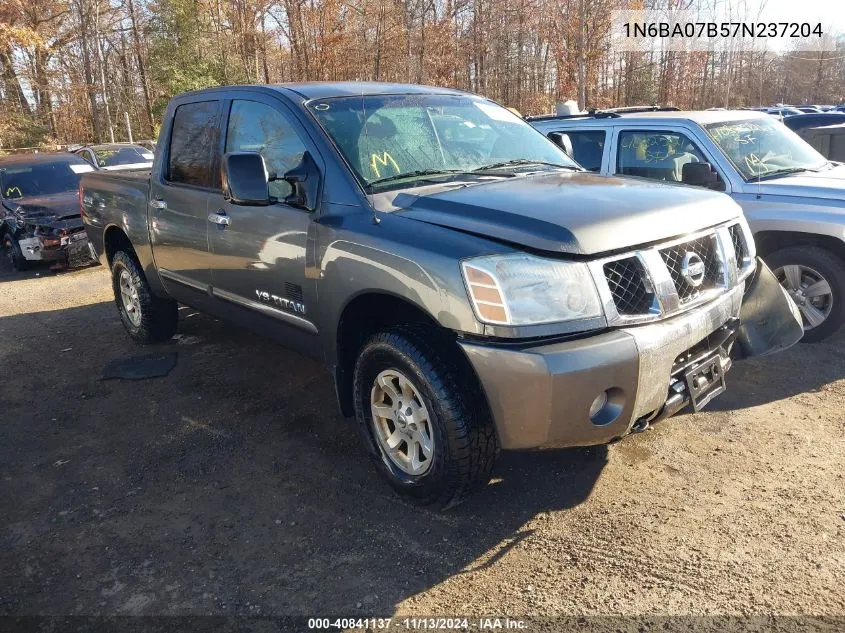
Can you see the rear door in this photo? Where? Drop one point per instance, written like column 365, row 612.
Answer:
column 258, row 258
column 588, row 146
column 180, row 194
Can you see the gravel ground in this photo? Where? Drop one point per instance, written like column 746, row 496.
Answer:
column 234, row 486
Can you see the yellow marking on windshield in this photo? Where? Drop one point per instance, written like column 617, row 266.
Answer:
column 12, row 190
column 384, row 160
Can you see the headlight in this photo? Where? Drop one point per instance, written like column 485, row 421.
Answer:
column 749, row 238
column 521, row 289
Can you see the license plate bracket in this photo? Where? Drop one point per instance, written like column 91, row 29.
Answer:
column 706, row 380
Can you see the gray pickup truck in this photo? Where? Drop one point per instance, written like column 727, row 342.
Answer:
column 792, row 196
column 469, row 286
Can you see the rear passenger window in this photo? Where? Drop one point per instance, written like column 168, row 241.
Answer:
column 587, row 148
column 258, row 127
column 192, row 144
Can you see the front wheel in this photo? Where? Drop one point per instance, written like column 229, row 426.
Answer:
column 815, row 279
column 423, row 416
column 14, row 254
column 147, row 318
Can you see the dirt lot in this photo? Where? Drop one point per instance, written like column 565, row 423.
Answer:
column 234, row 486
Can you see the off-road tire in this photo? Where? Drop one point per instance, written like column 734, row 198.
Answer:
column 12, row 251
column 159, row 317
column 465, row 442
column 829, row 266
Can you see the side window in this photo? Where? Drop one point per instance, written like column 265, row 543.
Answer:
column 587, row 147
column 655, row 154
column 192, row 144
column 257, row 127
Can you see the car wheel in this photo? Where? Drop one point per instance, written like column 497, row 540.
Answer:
column 147, row 318
column 423, row 416
column 14, row 254
column 815, row 279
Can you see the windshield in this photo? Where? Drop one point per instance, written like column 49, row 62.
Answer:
column 763, row 147
column 408, row 138
column 113, row 156
column 41, row 179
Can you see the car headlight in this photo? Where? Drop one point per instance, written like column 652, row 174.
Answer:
column 521, row 289
column 749, row 239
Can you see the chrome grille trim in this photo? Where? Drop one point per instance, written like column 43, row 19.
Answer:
column 667, row 301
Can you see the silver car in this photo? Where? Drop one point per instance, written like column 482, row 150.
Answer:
column 792, row 196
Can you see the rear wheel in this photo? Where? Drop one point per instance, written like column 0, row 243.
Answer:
column 147, row 318
column 14, row 254
column 815, row 279
column 423, row 416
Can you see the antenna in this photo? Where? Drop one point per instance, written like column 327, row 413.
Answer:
column 758, row 168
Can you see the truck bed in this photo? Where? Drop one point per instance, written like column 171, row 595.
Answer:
column 116, row 199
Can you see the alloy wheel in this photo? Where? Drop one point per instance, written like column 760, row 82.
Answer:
column 401, row 422
column 129, row 297
column 809, row 290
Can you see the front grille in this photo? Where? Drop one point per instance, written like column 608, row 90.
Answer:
column 705, row 248
column 628, row 285
column 740, row 248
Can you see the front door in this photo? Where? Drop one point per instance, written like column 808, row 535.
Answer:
column 258, row 256
column 180, row 195
column 658, row 154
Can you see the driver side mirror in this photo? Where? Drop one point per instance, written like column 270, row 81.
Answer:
column 304, row 180
column 245, row 179
column 563, row 141
column 701, row 175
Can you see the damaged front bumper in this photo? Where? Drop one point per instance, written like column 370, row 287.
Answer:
column 72, row 250
column 593, row 390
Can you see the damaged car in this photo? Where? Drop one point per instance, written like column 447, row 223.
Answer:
column 40, row 219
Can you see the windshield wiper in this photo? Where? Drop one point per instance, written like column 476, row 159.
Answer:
column 523, row 161
column 414, row 174
column 784, row 172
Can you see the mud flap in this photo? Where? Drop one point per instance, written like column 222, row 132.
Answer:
column 769, row 319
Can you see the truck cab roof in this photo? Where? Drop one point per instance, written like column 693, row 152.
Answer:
column 328, row 89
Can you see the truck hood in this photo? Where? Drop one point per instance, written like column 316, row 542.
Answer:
column 576, row 213
column 60, row 210
column 828, row 184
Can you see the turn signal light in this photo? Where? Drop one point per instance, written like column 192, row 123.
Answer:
column 486, row 295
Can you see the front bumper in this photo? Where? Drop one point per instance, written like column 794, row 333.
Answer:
column 72, row 251
column 540, row 397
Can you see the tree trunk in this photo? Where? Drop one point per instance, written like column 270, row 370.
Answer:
column 142, row 71
column 90, row 87
column 12, row 84
column 102, row 65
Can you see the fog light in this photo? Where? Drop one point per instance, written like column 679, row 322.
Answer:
column 598, row 404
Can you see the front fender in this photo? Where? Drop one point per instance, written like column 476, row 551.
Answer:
column 769, row 319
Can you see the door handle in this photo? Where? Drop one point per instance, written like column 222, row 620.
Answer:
column 158, row 203
column 220, row 218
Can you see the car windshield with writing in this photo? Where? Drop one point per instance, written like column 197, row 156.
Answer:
column 396, row 141
column 24, row 180
column 762, row 148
